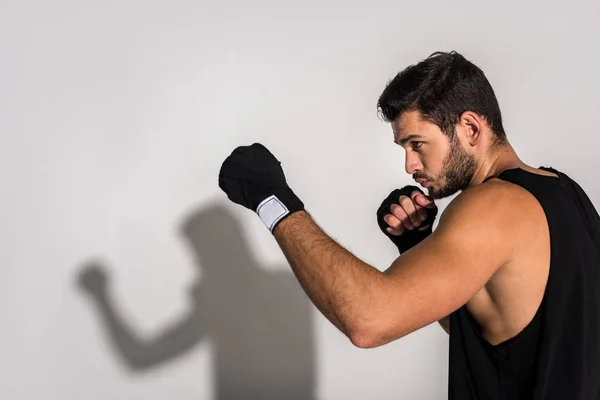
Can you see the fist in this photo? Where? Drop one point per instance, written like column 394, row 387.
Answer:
column 252, row 177
column 250, row 174
column 406, row 216
column 409, row 213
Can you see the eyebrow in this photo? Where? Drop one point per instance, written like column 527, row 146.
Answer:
column 402, row 141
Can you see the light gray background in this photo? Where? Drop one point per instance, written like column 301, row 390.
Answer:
column 115, row 117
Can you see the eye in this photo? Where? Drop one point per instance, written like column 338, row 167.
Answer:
column 414, row 144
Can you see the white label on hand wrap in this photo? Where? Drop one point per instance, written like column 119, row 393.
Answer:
column 271, row 210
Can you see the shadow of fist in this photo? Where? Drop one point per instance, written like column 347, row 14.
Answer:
column 93, row 279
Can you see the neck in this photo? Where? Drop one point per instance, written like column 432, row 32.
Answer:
column 502, row 159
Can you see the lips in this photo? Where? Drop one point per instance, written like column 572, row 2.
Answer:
column 422, row 182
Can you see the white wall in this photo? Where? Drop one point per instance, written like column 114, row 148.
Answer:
column 115, row 117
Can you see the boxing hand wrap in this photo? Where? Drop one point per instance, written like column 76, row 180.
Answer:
column 409, row 238
column 253, row 178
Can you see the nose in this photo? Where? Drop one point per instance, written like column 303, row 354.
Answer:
column 412, row 163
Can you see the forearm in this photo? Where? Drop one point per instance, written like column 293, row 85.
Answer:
column 340, row 285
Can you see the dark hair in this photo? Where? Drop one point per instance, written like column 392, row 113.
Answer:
column 441, row 88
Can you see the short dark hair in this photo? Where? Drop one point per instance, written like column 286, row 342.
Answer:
column 441, row 88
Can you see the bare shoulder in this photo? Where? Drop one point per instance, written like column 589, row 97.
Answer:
column 496, row 211
column 490, row 198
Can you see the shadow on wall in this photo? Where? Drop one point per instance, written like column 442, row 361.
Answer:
column 259, row 322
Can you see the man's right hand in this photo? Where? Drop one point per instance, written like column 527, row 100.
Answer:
column 406, row 216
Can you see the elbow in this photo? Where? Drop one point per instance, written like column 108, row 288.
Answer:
column 368, row 337
column 376, row 332
column 365, row 342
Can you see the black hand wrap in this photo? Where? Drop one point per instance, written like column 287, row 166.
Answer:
column 409, row 238
column 252, row 177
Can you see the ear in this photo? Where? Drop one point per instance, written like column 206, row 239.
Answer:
column 472, row 126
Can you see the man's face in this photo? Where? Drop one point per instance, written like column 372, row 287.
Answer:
column 431, row 155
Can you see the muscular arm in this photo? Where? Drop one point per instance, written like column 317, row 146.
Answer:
column 340, row 285
column 422, row 286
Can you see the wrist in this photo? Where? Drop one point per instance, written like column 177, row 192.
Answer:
column 286, row 224
column 277, row 207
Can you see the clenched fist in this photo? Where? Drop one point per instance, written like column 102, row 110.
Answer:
column 252, row 176
column 406, row 216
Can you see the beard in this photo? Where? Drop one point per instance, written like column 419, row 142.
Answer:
column 458, row 168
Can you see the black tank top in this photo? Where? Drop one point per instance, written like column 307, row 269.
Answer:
column 557, row 355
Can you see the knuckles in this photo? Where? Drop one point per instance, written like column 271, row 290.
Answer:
column 405, row 201
column 392, row 221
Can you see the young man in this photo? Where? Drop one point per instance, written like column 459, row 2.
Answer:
column 512, row 270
